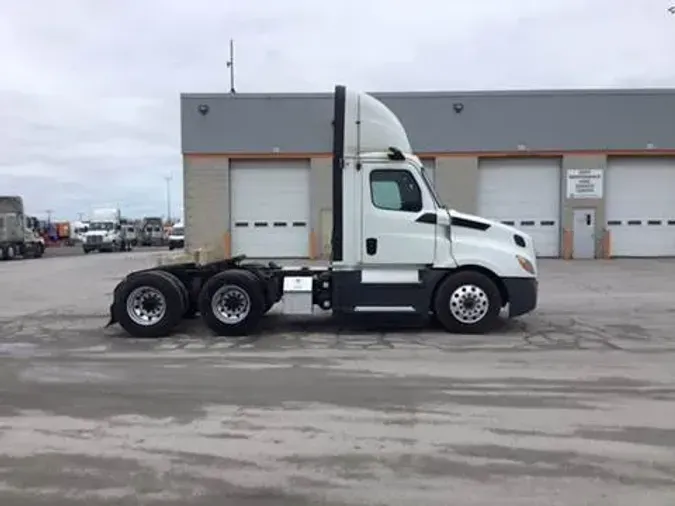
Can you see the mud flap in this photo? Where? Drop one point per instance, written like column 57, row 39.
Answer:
column 113, row 318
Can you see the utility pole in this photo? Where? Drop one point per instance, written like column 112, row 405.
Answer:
column 80, row 216
column 168, row 197
column 49, row 215
column 230, row 65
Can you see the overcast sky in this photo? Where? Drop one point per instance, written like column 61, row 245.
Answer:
column 89, row 90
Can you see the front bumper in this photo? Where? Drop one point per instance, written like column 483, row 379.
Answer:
column 176, row 243
column 522, row 293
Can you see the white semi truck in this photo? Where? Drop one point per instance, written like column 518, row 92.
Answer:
column 395, row 249
column 105, row 232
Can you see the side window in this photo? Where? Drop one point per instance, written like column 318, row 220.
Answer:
column 395, row 190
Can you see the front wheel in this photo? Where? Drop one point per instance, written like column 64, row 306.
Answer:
column 467, row 302
column 149, row 304
column 232, row 303
column 39, row 250
column 10, row 252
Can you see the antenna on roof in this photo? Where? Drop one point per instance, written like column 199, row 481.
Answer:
column 230, row 65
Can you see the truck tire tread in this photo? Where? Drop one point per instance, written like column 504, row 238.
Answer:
column 249, row 283
column 441, row 303
column 185, row 296
column 172, row 296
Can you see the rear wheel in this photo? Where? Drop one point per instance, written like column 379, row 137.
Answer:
column 232, row 303
column 149, row 304
column 467, row 302
column 185, row 295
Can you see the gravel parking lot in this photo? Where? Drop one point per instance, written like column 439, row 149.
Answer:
column 572, row 405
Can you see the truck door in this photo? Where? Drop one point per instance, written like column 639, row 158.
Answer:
column 393, row 199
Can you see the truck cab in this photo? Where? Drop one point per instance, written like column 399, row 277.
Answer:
column 104, row 233
column 19, row 234
column 177, row 236
column 394, row 240
column 396, row 248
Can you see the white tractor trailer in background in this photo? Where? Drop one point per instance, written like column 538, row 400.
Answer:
column 395, row 249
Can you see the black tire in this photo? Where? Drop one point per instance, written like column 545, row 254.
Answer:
column 246, row 290
column 3, row 253
column 39, row 250
column 256, row 266
column 467, row 286
column 184, row 294
column 172, row 298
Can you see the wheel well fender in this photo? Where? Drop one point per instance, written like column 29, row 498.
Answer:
column 499, row 283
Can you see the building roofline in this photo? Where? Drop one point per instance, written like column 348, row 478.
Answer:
column 447, row 94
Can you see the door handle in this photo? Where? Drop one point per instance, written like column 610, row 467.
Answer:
column 588, row 219
column 371, row 245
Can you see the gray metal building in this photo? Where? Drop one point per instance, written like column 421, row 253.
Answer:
column 589, row 174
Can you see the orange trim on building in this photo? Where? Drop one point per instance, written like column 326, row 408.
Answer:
column 313, row 246
column 567, row 244
column 227, row 244
column 607, row 244
column 258, row 156
column 422, row 154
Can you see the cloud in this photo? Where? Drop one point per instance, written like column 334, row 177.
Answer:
column 89, row 92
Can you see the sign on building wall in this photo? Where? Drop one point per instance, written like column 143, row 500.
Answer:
column 584, row 183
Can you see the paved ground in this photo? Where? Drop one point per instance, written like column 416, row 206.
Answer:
column 69, row 251
column 573, row 405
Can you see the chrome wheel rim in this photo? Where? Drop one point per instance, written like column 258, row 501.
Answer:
column 146, row 306
column 10, row 252
column 469, row 304
column 231, row 304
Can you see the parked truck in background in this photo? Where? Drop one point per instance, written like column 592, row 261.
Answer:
column 177, row 236
column 19, row 234
column 130, row 232
column 79, row 229
column 396, row 249
column 152, row 231
column 105, row 232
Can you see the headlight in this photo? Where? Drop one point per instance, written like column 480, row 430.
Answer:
column 525, row 264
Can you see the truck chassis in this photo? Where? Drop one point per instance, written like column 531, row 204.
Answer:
column 233, row 295
column 12, row 250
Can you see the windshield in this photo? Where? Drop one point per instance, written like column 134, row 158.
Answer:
column 431, row 188
column 101, row 225
column 177, row 231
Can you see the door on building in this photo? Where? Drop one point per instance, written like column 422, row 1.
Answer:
column 640, row 206
column 270, row 209
column 583, row 241
column 524, row 193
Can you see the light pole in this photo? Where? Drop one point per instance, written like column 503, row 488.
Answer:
column 168, row 197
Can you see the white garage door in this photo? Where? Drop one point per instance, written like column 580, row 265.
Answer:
column 640, row 206
column 430, row 168
column 524, row 193
column 270, row 208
